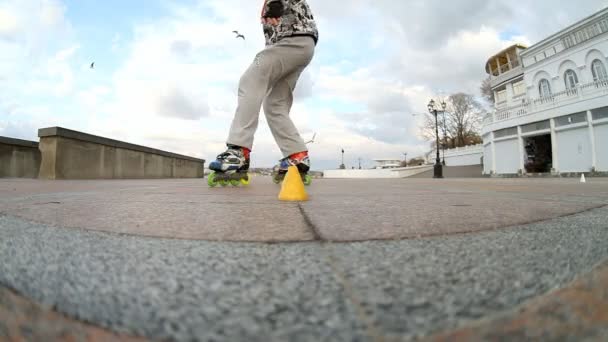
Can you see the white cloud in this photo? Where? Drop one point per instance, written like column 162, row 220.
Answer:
column 175, row 84
column 8, row 23
column 176, row 102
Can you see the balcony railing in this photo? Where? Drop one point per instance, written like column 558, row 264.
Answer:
column 527, row 107
column 506, row 74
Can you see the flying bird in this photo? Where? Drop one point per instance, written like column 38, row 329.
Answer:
column 93, row 65
column 312, row 140
column 238, row 35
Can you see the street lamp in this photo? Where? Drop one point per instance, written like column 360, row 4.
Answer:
column 445, row 129
column 438, row 169
column 342, row 166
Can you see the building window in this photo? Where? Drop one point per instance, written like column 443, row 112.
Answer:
column 501, row 96
column 519, row 88
column 537, row 126
column 598, row 70
column 571, row 79
column 600, row 113
column 544, row 88
column 507, row 132
column 571, row 119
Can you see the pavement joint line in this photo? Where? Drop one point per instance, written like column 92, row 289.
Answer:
column 469, row 232
column 314, row 230
column 534, row 197
column 153, row 237
column 317, row 237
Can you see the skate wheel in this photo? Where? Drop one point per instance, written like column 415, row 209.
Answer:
column 211, row 180
column 245, row 181
column 307, row 180
column 276, row 179
column 224, row 183
column 234, row 182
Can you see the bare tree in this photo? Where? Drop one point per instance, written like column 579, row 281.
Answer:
column 459, row 126
column 486, row 90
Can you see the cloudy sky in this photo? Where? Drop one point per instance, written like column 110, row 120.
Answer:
column 167, row 71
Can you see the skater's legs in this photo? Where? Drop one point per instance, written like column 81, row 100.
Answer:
column 277, row 106
column 270, row 66
column 253, row 87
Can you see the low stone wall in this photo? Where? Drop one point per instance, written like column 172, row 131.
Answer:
column 68, row 154
column 468, row 171
column 459, row 156
column 19, row 158
column 402, row 172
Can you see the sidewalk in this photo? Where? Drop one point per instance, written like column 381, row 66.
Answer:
column 362, row 260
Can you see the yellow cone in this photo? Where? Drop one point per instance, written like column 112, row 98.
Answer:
column 293, row 187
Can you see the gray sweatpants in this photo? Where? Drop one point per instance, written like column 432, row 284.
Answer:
column 271, row 80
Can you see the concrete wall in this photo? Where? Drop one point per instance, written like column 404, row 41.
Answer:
column 376, row 173
column 460, row 156
column 471, row 159
column 73, row 155
column 601, row 146
column 468, row 171
column 574, row 150
column 507, row 156
column 19, row 158
column 402, row 172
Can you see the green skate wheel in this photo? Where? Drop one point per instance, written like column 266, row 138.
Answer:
column 234, row 182
column 307, row 180
column 224, row 183
column 211, row 180
column 276, row 179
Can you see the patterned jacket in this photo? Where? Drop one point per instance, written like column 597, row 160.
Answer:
column 296, row 20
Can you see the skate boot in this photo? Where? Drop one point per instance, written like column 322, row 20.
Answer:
column 230, row 168
column 300, row 160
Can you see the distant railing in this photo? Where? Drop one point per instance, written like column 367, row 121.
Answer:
column 581, row 92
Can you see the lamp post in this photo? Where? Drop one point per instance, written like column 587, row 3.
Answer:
column 342, row 166
column 445, row 136
column 438, row 169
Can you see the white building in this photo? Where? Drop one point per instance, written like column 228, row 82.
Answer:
column 551, row 103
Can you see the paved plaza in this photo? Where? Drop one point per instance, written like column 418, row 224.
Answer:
column 363, row 260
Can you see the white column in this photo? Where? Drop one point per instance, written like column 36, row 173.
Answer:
column 592, row 137
column 509, row 61
column 522, row 152
column 554, row 149
column 493, row 153
column 510, row 94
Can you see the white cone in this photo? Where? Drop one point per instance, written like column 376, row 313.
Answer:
column 583, row 180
